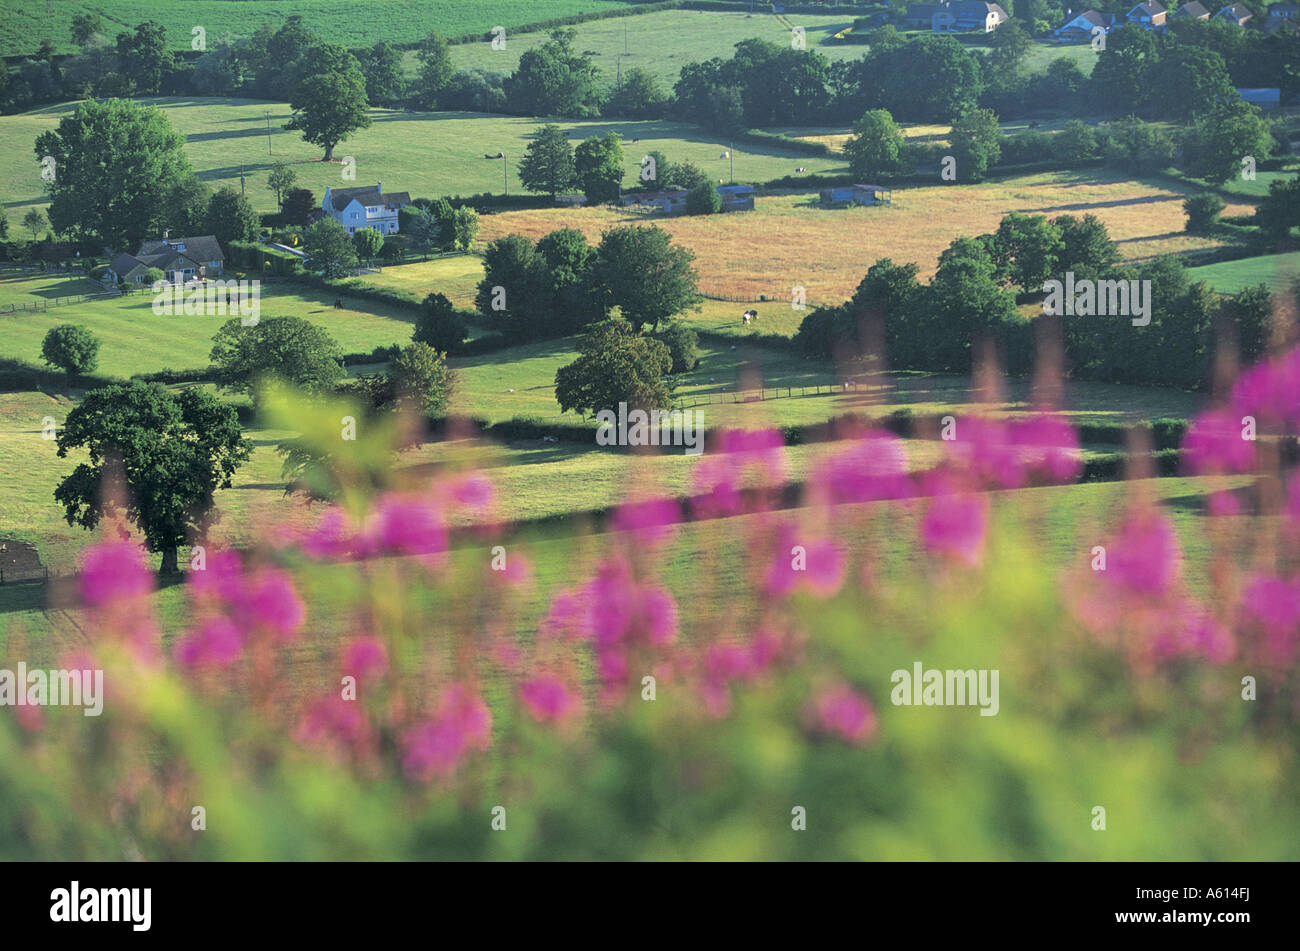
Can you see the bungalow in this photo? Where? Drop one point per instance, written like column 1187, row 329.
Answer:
column 1149, row 14
column 1190, row 11
column 1237, row 13
column 365, row 207
column 857, row 194
column 180, row 259
column 1082, row 26
column 737, row 197
column 1267, row 99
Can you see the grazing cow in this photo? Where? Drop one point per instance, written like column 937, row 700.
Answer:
column 338, row 302
column 748, row 316
column 801, row 169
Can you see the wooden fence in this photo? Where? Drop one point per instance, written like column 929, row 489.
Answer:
column 39, row 306
column 766, row 393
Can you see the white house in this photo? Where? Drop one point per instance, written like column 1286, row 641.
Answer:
column 364, row 207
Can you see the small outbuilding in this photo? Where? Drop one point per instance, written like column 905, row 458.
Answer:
column 737, row 197
column 857, row 195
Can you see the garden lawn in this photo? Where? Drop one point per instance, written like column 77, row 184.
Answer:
column 1277, row 271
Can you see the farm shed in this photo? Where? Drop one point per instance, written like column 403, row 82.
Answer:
column 737, row 197
column 857, row 194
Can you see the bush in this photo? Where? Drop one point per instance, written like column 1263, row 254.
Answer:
column 1202, row 212
column 703, row 199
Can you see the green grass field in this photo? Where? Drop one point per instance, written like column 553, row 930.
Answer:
column 456, row 276
column 1277, row 271
column 426, row 154
column 353, row 23
column 133, row 339
column 662, row 43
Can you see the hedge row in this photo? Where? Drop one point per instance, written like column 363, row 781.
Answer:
column 777, row 139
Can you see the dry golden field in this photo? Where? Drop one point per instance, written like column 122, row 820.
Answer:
column 789, row 240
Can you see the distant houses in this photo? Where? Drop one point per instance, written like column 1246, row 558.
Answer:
column 956, row 16
column 1190, row 11
column 1149, row 14
column 180, row 259
column 1083, row 26
column 1237, row 13
column 365, row 207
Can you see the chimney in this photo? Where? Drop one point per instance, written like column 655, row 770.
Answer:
column 380, row 188
column 166, row 232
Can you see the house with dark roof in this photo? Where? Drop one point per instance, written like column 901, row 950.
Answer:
column 736, row 197
column 956, row 16
column 365, row 207
column 1190, row 11
column 180, row 259
column 1082, row 27
column 1149, row 14
column 1237, row 13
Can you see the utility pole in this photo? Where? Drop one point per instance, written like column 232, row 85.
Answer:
column 241, row 180
column 505, row 177
column 268, row 134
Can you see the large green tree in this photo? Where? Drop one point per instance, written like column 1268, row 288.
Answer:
column 555, row 80
column 976, row 144
column 875, row 146
column 290, row 348
column 615, row 365
column 547, row 165
column 231, row 217
column 172, row 452
column 114, row 164
column 72, row 348
column 639, row 270
column 598, row 164
column 1220, row 139
column 328, row 248
column 435, row 71
column 329, row 101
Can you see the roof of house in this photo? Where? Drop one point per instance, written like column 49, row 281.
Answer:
column 735, row 189
column 1192, row 9
column 975, row 10
column 1150, row 7
column 1284, row 9
column 201, row 248
column 1239, row 11
column 125, row 263
column 340, row 198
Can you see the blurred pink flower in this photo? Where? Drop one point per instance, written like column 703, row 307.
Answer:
column 114, row 571
column 221, row 579
column 1214, row 445
column 548, row 698
column 818, row 569
column 461, row 723
column 648, row 520
column 333, row 721
column 406, row 525
column 364, row 656
column 272, row 603
column 332, row 538
column 1144, row 556
column 1049, row 446
column 564, row 619
column 872, row 466
column 217, row 643
column 841, row 711
column 1275, row 605
column 955, row 524
column 473, row 491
